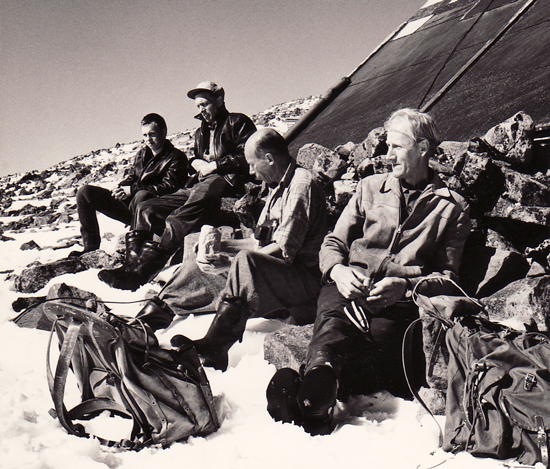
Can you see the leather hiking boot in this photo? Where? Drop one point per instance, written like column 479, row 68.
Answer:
column 156, row 313
column 226, row 329
column 317, row 399
column 282, row 396
column 149, row 263
column 134, row 243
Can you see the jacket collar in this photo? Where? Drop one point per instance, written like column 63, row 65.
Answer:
column 166, row 147
column 220, row 117
column 436, row 186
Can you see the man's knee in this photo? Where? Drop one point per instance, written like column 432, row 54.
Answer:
column 141, row 196
column 144, row 210
column 83, row 194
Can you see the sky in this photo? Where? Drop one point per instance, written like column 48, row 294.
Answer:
column 78, row 75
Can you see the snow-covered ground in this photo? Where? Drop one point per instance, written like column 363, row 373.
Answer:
column 377, row 431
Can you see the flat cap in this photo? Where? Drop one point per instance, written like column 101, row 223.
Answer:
column 206, row 86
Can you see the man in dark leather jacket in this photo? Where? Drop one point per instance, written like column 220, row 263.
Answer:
column 158, row 169
column 218, row 169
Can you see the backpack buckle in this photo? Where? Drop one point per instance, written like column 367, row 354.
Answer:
column 530, row 381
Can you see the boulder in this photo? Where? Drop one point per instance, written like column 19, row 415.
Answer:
column 506, row 208
column 374, row 145
column 36, row 277
column 513, row 138
column 343, row 191
column 504, row 267
column 287, row 347
column 525, row 189
column 34, row 317
column 522, row 302
column 478, row 179
column 99, row 259
column 326, row 163
column 345, row 150
column 308, row 154
column 30, row 245
column 450, row 152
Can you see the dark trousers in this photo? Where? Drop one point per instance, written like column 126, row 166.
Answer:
column 92, row 199
column 364, row 363
column 176, row 215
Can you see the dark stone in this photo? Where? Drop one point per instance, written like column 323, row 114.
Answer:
column 308, row 154
column 30, row 245
column 504, row 267
column 506, row 208
column 525, row 189
column 34, row 278
column 25, row 301
column 374, row 145
column 36, row 319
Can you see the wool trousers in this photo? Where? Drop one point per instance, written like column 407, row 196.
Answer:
column 268, row 285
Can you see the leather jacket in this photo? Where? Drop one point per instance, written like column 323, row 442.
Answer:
column 370, row 232
column 162, row 174
column 231, row 131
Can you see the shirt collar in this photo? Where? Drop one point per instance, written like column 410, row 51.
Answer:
column 436, row 185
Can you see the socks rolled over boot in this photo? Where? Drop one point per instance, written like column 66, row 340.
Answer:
column 317, row 399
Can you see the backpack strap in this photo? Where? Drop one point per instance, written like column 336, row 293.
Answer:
column 57, row 383
column 88, row 408
column 407, row 354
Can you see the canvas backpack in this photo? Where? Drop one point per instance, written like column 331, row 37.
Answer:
column 120, row 367
column 497, row 379
column 498, row 395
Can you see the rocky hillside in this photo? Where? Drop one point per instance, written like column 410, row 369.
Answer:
column 504, row 174
column 56, row 186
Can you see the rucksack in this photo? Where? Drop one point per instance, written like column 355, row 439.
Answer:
column 497, row 379
column 498, row 395
column 120, row 367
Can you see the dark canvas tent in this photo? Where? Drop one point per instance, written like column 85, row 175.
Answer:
column 470, row 63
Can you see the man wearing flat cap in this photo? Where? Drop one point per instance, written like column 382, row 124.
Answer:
column 218, row 168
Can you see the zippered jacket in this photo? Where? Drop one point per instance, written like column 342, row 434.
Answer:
column 370, row 233
column 159, row 174
column 231, row 131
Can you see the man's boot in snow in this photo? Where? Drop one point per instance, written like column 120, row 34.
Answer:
column 282, row 396
column 227, row 328
column 91, row 242
column 317, row 399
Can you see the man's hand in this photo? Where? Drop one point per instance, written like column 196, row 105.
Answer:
column 387, row 292
column 121, row 193
column 352, row 283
